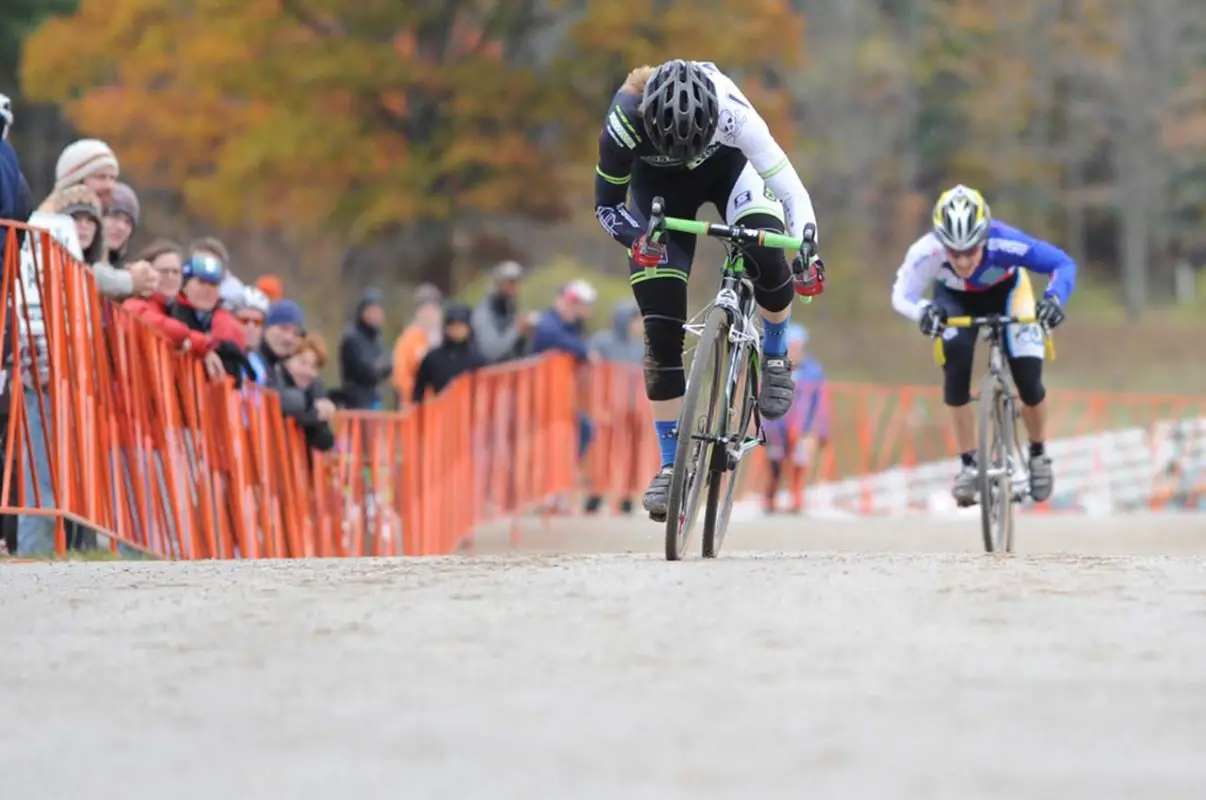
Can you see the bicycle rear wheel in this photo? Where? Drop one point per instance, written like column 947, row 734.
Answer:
column 696, row 422
column 995, row 484
column 741, row 397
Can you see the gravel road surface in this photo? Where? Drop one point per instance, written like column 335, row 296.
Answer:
column 847, row 660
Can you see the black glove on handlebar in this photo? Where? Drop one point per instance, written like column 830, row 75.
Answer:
column 933, row 320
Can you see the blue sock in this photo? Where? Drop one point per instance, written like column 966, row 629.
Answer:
column 667, row 440
column 774, row 338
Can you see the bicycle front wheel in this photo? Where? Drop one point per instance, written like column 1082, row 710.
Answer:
column 995, row 483
column 696, row 424
column 736, row 415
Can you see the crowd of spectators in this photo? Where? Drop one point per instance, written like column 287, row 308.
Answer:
column 250, row 334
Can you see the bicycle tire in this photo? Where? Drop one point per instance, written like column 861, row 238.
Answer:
column 994, row 505
column 1008, row 451
column 716, row 514
column 680, row 518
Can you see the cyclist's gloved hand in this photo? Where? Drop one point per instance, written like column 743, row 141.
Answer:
column 933, row 320
column 809, row 273
column 1049, row 312
column 646, row 254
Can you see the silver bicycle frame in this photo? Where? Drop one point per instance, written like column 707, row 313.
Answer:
column 743, row 334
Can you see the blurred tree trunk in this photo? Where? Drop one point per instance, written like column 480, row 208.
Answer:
column 1134, row 173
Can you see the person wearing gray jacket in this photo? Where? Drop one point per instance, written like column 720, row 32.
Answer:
column 500, row 331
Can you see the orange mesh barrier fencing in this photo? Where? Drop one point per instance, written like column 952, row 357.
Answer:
column 112, row 433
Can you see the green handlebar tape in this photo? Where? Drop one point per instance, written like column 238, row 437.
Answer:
column 697, row 228
column 691, row 226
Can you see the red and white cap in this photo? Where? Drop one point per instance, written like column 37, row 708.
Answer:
column 581, row 291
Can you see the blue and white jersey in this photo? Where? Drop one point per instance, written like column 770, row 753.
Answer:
column 1008, row 250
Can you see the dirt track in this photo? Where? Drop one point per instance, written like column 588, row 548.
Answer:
column 813, row 659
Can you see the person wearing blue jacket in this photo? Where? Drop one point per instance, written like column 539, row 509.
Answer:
column 562, row 328
column 15, row 200
column 977, row 265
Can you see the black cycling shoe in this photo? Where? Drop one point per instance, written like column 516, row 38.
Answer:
column 778, row 388
column 657, row 496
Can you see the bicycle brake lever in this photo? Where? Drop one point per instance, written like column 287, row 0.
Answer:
column 657, row 220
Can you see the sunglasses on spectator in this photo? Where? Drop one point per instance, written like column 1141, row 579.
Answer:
column 255, row 321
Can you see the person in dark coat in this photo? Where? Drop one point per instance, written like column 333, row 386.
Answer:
column 456, row 354
column 363, row 360
column 295, row 379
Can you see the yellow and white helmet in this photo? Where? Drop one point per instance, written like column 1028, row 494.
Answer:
column 961, row 219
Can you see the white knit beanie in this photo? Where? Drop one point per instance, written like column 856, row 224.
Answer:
column 82, row 159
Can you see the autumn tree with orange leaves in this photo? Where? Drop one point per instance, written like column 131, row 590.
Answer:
column 368, row 116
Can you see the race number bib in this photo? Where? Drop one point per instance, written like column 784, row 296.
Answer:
column 1026, row 341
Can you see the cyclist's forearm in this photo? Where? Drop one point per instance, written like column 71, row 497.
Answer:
column 611, row 209
column 781, row 177
column 797, row 202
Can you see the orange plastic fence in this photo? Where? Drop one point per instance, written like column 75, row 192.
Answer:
column 112, row 432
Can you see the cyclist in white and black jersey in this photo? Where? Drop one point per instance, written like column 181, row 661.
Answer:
column 683, row 131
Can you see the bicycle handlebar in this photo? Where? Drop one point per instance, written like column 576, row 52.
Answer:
column 992, row 321
column 989, row 321
column 659, row 223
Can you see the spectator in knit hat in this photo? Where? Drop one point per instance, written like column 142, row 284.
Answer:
column 81, row 204
column 84, row 207
column 197, row 306
column 90, row 162
column 420, row 336
column 121, row 220
column 284, row 327
column 251, row 314
column 363, row 361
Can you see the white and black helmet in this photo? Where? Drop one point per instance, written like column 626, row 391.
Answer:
column 961, row 219
column 680, row 109
column 6, row 116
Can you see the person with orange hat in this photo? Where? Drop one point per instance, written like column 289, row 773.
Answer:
column 271, row 286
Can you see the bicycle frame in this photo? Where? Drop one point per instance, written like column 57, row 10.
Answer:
column 736, row 298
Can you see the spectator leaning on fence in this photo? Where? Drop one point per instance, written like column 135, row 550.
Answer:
column 231, row 291
column 198, row 307
column 121, row 221
column 500, row 329
column 302, row 400
column 417, row 340
column 363, row 361
column 167, row 260
column 456, row 354
column 80, row 207
column 284, row 328
column 251, row 314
